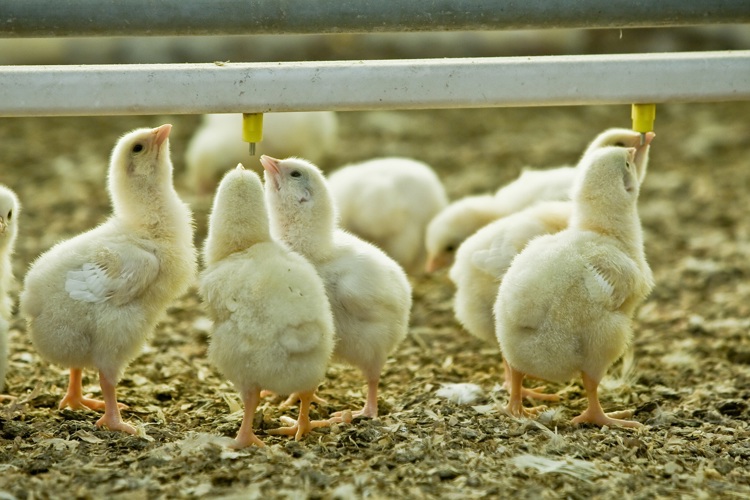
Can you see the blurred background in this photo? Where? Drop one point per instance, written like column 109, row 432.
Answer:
column 263, row 48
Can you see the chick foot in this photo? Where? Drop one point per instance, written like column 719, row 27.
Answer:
column 115, row 423
column 515, row 406
column 298, row 428
column 594, row 413
column 609, row 419
column 75, row 399
column 303, row 426
column 518, row 410
column 370, row 410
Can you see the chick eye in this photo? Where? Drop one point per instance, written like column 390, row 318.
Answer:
column 138, row 148
column 295, row 173
column 620, row 144
column 10, row 215
column 450, row 248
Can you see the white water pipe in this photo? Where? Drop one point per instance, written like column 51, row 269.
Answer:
column 368, row 85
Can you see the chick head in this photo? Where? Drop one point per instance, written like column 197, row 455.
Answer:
column 140, row 166
column 449, row 228
column 296, row 185
column 609, row 179
column 10, row 208
column 238, row 217
column 625, row 138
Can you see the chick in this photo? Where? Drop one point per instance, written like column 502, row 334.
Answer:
column 389, row 202
column 483, row 259
column 369, row 292
column 565, row 304
column 92, row 301
column 10, row 209
column 462, row 218
column 218, row 143
column 273, row 327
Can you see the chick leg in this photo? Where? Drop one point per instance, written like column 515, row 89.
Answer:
column 535, row 393
column 515, row 402
column 246, row 437
column 74, row 397
column 303, row 425
column 594, row 413
column 111, row 418
column 370, row 410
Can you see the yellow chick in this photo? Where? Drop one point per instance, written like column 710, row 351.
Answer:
column 389, row 202
column 369, row 292
column 566, row 303
column 483, row 259
column 273, row 327
column 462, row 218
column 10, row 209
column 92, row 301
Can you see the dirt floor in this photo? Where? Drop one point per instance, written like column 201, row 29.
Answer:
column 687, row 377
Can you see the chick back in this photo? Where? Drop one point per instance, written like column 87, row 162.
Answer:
column 550, row 322
column 272, row 321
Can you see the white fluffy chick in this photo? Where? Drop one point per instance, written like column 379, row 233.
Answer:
column 92, row 301
column 464, row 217
column 218, row 144
column 566, row 303
column 389, row 202
column 273, row 327
column 369, row 292
column 10, row 209
column 483, row 259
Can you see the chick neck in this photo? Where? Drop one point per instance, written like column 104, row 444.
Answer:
column 7, row 241
column 151, row 206
column 231, row 231
column 620, row 223
column 308, row 230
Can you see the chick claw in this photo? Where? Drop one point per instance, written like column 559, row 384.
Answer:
column 613, row 419
column 518, row 410
column 243, row 441
column 78, row 402
column 298, row 429
column 115, row 424
column 344, row 416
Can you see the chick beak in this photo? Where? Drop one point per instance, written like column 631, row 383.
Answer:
column 271, row 166
column 435, row 262
column 3, row 225
column 641, row 150
column 240, row 167
column 162, row 133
